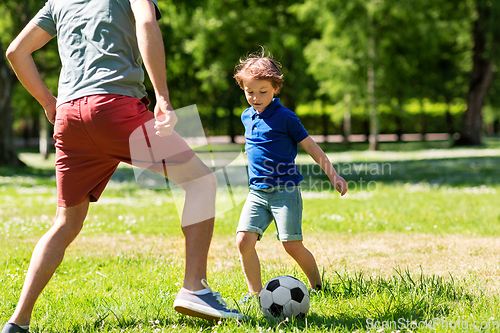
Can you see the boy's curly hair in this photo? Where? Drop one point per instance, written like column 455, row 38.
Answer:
column 259, row 66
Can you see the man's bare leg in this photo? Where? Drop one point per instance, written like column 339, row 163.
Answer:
column 198, row 238
column 198, row 217
column 47, row 256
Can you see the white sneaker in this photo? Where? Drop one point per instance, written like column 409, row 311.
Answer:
column 209, row 306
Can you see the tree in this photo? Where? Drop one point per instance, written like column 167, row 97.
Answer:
column 345, row 59
column 217, row 33
column 7, row 79
column 385, row 52
column 15, row 15
column 420, row 63
column 485, row 54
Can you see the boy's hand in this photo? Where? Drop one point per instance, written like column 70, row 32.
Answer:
column 340, row 184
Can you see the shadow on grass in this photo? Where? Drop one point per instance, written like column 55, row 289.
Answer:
column 468, row 171
column 349, row 301
column 26, row 171
column 384, row 146
column 464, row 171
column 402, row 301
column 488, row 142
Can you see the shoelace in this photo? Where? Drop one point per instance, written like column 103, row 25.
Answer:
column 247, row 297
column 217, row 295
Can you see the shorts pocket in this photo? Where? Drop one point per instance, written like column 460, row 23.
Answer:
column 60, row 126
column 299, row 198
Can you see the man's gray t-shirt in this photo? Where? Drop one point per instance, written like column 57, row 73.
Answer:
column 97, row 45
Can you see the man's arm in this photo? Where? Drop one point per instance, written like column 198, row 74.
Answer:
column 150, row 43
column 19, row 53
column 319, row 156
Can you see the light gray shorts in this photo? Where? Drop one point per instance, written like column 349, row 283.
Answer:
column 281, row 204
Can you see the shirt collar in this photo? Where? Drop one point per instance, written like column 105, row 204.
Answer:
column 268, row 111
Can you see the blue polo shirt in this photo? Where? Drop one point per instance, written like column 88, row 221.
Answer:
column 271, row 146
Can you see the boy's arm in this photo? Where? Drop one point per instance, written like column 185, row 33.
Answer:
column 319, row 156
column 150, row 43
column 19, row 53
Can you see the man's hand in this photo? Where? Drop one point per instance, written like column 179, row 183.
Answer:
column 165, row 118
column 50, row 111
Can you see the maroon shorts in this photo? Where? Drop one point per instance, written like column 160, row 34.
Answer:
column 95, row 133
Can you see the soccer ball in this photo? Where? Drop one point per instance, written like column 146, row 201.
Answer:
column 284, row 296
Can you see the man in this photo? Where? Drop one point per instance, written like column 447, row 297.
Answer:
column 101, row 102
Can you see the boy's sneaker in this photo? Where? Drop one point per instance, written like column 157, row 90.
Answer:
column 248, row 297
column 209, row 306
column 318, row 290
column 13, row 328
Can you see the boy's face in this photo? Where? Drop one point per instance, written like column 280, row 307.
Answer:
column 259, row 93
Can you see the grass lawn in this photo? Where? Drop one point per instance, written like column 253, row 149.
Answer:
column 413, row 246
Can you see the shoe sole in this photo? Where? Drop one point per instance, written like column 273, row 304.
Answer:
column 193, row 310
column 13, row 328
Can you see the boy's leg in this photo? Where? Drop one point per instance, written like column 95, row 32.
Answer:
column 287, row 206
column 250, row 263
column 47, row 256
column 306, row 261
column 254, row 219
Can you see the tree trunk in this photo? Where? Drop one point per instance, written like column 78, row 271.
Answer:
column 450, row 129
column 325, row 118
column 374, row 128
column 482, row 74
column 45, row 137
column 232, row 103
column 8, row 156
column 346, row 124
column 496, row 126
column 423, row 120
column 399, row 120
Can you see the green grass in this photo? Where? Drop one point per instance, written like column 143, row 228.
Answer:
column 124, row 270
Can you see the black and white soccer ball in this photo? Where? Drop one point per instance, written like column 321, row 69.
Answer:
column 284, row 296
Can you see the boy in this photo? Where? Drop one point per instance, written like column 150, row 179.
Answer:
column 272, row 133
